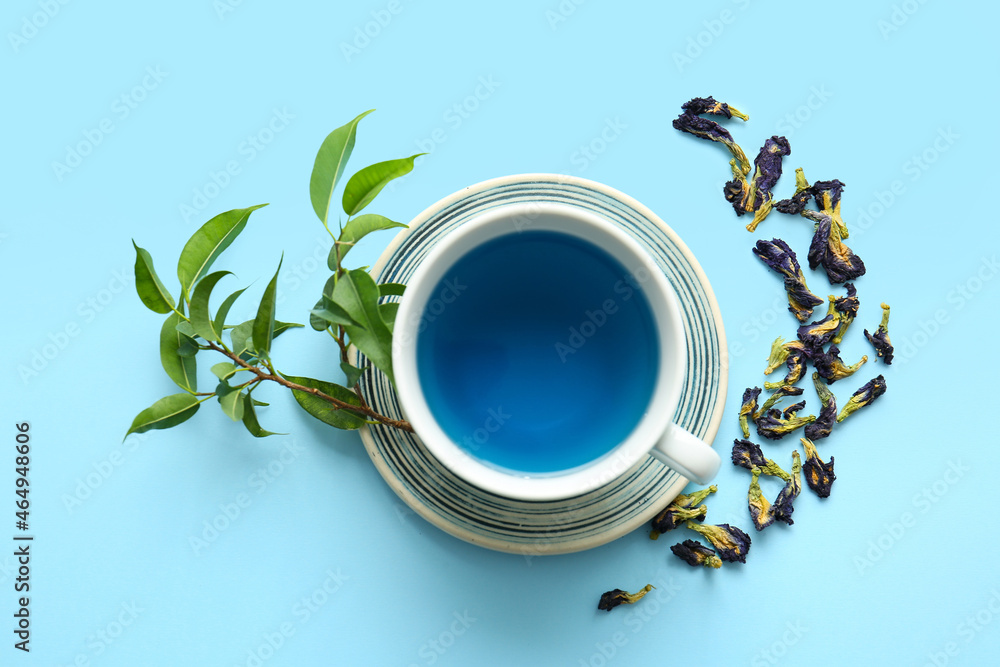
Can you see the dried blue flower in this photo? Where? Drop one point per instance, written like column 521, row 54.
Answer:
column 827, row 248
column 777, row 255
column 730, row 542
column 612, row 599
column 682, row 508
column 760, row 507
column 819, row 475
column 754, row 196
column 694, row 553
column 880, row 341
column 865, row 396
column 796, row 364
column 827, row 414
column 792, row 410
column 817, row 334
column 779, row 353
column 691, row 122
column 795, row 204
column 847, row 308
column 747, row 408
column 774, row 426
column 702, row 105
column 772, row 400
column 831, row 367
column 782, row 507
column 749, row 455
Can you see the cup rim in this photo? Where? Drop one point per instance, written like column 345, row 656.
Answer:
column 662, row 402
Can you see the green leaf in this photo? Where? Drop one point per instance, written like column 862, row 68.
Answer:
column 391, row 289
column 242, row 335
column 231, row 400
column 201, row 318
column 330, row 313
column 185, row 328
column 316, row 322
column 220, row 318
column 250, row 418
column 330, row 163
column 323, row 410
column 281, row 327
column 181, row 369
column 351, row 373
column 206, row 244
column 152, row 292
column 225, row 370
column 357, row 293
column 368, row 182
column 188, row 347
column 388, row 313
column 166, row 412
column 355, row 230
column 263, row 324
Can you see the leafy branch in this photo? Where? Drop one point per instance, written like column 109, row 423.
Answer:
column 351, row 309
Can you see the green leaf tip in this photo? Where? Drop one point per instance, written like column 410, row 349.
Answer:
column 206, row 244
column 331, row 160
column 148, row 285
column 201, row 319
column 364, row 185
column 263, row 324
column 165, row 413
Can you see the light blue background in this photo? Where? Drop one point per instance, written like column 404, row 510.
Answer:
column 887, row 83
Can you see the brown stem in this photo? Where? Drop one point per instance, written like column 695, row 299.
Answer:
column 362, row 409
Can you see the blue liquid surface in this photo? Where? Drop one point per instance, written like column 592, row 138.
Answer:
column 538, row 354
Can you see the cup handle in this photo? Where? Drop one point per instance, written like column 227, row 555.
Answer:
column 687, row 454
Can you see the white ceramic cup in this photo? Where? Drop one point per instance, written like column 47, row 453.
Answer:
column 654, row 434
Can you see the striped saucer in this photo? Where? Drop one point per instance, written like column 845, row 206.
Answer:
column 537, row 528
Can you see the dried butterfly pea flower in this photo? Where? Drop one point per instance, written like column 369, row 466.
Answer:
column 782, row 507
column 817, row 334
column 827, row 414
column 778, row 256
column 798, row 202
column 760, row 506
column 692, row 123
column 827, row 195
column 700, row 105
column 880, row 341
column 792, row 410
column 827, row 248
column 682, row 508
column 748, row 455
column 675, row 515
column 695, row 498
column 779, row 353
column 796, row 364
column 730, row 542
column 612, row 599
column 774, row 426
column 831, row 367
column 754, row 196
column 819, row 475
column 694, row 553
column 870, row 391
column 747, row 408
column 847, row 308
column 782, row 391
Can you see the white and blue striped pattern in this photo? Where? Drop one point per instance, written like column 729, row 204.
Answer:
column 583, row 522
